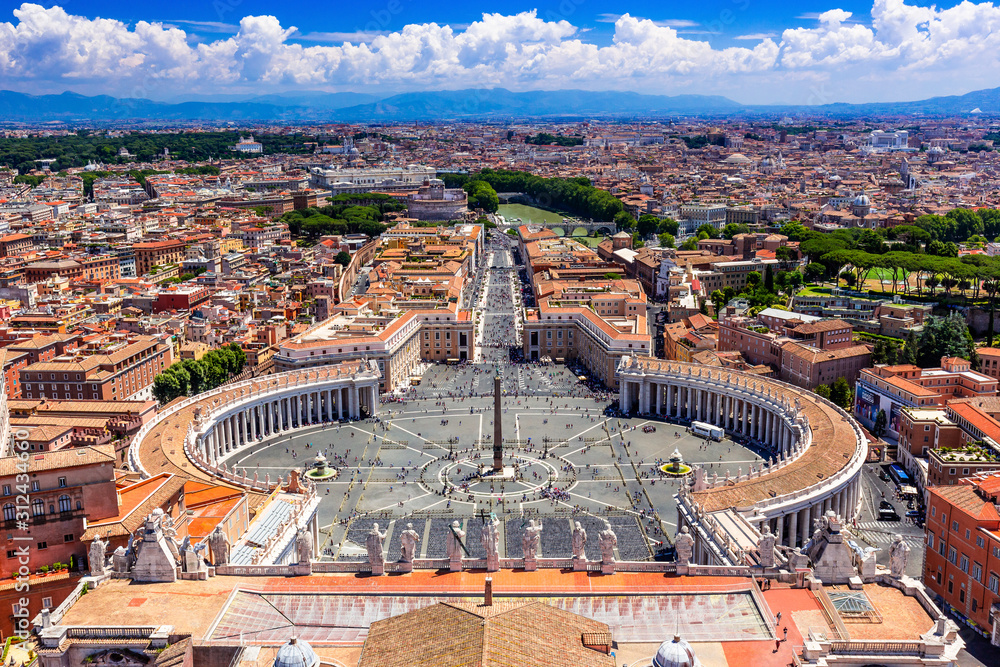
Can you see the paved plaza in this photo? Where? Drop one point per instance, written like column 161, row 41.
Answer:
column 419, row 463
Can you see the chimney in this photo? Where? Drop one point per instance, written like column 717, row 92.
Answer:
column 489, row 592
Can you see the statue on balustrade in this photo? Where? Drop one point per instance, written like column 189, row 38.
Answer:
column 304, row 546
column 219, row 542
column 453, row 541
column 684, row 546
column 579, row 542
column 607, row 541
column 898, row 553
column 765, row 547
column 530, row 540
column 119, row 561
column 408, row 543
column 373, row 545
column 98, row 556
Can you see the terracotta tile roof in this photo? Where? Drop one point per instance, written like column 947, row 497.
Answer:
column 62, row 458
column 965, row 498
column 470, row 634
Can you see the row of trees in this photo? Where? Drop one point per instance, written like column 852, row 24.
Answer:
column 546, row 139
column 79, row 149
column 190, row 377
column 575, row 195
column 312, row 223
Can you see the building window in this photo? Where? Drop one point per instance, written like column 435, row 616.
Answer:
column 62, row 482
column 977, row 571
column 68, row 537
column 35, row 486
column 993, row 583
column 65, row 504
column 37, row 507
column 43, row 545
column 9, row 513
column 6, row 489
column 963, row 564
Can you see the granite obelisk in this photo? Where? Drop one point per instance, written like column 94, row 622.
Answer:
column 497, row 428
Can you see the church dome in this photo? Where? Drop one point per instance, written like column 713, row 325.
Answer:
column 737, row 158
column 296, row 653
column 862, row 200
column 675, row 653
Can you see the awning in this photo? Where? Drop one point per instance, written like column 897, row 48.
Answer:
column 908, row 490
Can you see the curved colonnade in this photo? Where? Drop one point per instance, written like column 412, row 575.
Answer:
column 818, row 449
column 215, row 425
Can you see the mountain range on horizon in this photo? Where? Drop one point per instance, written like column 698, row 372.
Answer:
column 471, row 104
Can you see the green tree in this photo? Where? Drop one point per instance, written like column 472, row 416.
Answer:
column 709, row 231
column 880, row 422
column 815, row 272
column 666, row 240
column 343, row 258
column 668, row 226
column 944, row 337
column 769, row 278
column 823, row 391
column 647, row 225
column 910, row 349
column 785, row 255
column 691, row 243
column 166, row 388
column 482, row 196
column 841, row 394
column 734, row 228
column 624, row 222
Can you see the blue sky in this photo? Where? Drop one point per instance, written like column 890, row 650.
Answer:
column 754, row 51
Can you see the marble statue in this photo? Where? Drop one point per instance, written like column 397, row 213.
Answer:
column 607, row 540
column 684, row 546
column 898, row 552
column 530, row 540
column 453, row 541
column 304, row 546
column 97, row 556
column 119, row 560
column 765, row 547
column 579, row 542
column 169, row 532
column 373, row 544
column 491, row 537
column 219, row 542
column 408, row 543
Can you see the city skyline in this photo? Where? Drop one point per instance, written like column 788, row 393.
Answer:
column 751, row 52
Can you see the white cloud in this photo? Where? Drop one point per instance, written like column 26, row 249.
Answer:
column 50, row 49
column 666, row 23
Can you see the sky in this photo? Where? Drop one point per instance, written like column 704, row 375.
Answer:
column 752, row 51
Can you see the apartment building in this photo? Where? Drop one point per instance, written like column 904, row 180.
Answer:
column 66, row 487
column 115, row 368
column 892, row 388
column 962, row 553
column 102, row 267
column 157, row 253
